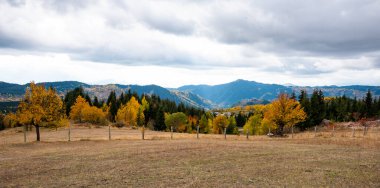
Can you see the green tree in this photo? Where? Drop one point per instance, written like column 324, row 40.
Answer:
column 96, row 102
column 160, row 120
column 178, row 121
column 254, row 123
column 203, row 124
column 232, row 128
column 240, row 120
column 317, row 110
column 305, row 104
column 368, row 104
column 113, row 108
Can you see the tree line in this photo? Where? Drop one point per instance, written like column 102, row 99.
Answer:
column 42, row 107
column 338, row 109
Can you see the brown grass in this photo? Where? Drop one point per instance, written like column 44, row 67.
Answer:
column 185, row 161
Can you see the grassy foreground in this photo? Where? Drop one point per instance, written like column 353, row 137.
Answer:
column 192, row 163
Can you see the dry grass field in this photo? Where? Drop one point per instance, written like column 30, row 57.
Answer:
column 90, row 160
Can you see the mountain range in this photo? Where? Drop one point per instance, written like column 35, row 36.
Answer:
column 238, row 92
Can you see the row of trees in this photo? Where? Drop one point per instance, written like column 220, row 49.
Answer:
column 318, row 107
column 43, row 107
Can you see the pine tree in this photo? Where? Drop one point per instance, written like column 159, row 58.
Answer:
column 305, row 104
column 160, row 120
column 368, row 104
column 96, row 102
column 112, row 103
column 240, row 120
column 88, row 99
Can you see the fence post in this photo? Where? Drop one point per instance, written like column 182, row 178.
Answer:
column 109, row 132
column 247, row 134
column 25, row 133
column 171, row 130
column 225, row 133
column 69, row 131
column 315, row 131
column 198, row 132
column 143, row 132
column 333, row 132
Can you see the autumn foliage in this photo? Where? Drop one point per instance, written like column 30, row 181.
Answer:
column 82, row 112
column 128, row 113
column 284, row 112
column 219, row 123
column 40, row 107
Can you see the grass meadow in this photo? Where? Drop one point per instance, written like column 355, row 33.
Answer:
column 91, row 160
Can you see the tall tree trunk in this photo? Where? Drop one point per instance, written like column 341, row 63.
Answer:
column 38, row 132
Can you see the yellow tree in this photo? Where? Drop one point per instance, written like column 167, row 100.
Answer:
column 284, row 112
column 81, row 111
column 10, row 120
column 219, row 123
column 76, row 112
column 40, row 107
column 140, row 114
column 127, row 114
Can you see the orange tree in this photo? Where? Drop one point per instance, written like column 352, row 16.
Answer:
column 41, row 108
column 284, row 112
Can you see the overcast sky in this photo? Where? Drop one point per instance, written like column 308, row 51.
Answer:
column 173, row 43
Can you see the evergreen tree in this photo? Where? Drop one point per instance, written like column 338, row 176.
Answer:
column 240, row 120
column 112, row 103
column 305, row 104
column 88, row 99
column 71, row 97
column 368, row 104
column 96, row 102
column 317, row 108
column 160, row 120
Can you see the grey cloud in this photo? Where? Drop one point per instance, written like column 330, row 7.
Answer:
column 16, row 3
column 67, row 5
column 169, row 25
column 300, row 28
column 316, row 27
